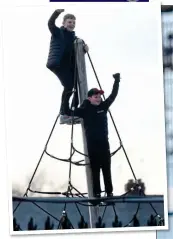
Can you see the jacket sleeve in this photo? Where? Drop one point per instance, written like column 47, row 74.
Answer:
column 51, row 23
column 79, row 112
column 107, row 103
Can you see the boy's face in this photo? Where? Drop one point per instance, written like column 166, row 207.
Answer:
column 69, row 24
column 95, row 99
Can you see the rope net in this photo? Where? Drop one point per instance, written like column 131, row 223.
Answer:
column 71, row 190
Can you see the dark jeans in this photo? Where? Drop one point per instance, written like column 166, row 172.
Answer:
column 66, row 77
column 99, row 155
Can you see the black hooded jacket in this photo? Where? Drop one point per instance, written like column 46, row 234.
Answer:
column 95, row 117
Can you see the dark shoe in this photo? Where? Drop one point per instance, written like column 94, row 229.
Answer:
column 110, row 195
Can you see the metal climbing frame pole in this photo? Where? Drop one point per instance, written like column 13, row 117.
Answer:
column 83, row 89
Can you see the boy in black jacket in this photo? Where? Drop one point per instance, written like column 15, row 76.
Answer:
column 61, row 58
column 94, row 113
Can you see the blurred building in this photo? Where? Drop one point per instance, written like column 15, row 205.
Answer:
column 167, row 39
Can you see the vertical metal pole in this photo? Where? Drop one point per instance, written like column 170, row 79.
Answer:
column 83, row 90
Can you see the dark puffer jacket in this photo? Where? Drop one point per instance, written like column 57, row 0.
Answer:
column 95, row 117
column 61, row 44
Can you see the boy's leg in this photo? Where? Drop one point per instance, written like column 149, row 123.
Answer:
column 106, row 168
column 95, row 170
column 75, row 100
column 66, row 78
column 66, row 94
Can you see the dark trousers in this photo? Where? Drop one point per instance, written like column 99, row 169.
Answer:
column 100, row 159
column 67, row 76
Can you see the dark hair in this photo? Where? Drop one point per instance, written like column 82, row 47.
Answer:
column 95, row 91
column 69, row 16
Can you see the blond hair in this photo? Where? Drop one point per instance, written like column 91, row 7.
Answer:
column 69, row 16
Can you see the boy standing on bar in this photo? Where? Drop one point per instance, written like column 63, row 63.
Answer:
column 61, row 60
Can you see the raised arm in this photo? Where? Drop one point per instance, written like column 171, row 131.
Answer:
column 51, row 22
column 107, row 103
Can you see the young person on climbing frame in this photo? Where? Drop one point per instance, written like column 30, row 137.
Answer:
column 61, row 59
column 93, row 111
